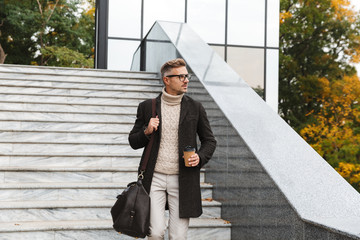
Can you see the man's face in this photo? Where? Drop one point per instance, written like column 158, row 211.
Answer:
column 173, row 85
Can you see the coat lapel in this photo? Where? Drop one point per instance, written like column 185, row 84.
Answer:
column 158, row 106
column 184, row 109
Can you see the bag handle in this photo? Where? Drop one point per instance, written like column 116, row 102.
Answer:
column 149, row 146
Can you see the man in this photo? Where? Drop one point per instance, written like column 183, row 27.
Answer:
column 179, row 119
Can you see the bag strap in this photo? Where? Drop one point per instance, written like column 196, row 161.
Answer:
column 149, row 146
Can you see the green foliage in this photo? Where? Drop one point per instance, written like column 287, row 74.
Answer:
column 319, row 91
column 332, row 131
column 29, row 29
column 64, row 57
column 16, row 32
column 260, row 91
column 351, row 172
column 314, row 41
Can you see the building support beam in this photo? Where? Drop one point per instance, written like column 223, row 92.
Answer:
column 101, row 43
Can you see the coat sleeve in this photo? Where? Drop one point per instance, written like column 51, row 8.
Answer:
column 206, row 136
column 137, row 137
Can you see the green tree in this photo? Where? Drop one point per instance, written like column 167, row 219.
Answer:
column 319, row 88
column 30, row 27
column 2, row 53
column 318, row 39
column 17, row 31
column 351, row 172
column 335, row 131
column 64, row 57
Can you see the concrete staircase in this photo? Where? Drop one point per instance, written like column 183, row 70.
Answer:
column 64, row 154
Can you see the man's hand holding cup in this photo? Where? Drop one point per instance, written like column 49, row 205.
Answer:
column 191, row 158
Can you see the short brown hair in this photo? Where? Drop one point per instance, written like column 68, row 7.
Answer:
column 179, row 62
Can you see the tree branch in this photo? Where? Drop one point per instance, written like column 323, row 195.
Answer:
column 52, row 11
column 2, row 55
column 40, row 8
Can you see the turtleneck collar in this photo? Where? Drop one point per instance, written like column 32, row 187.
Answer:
column 171, row 99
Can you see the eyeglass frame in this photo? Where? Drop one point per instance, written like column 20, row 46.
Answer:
column 186, row 76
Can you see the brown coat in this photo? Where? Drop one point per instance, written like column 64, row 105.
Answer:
column 193, row 121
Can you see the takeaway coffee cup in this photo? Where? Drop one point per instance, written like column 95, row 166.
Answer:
column 188, row 152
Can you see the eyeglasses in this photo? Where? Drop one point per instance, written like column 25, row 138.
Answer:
column 182, row 77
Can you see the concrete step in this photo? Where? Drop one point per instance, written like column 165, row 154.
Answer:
column 66, row 117
column 38, row 144
column 80, row 85
column 70, row 108
column 63, row 116
column 199, row 229
column 70, row 160
column 63, row 137
column 22, row 162
column 97, row 93
column 25, row 211
column 77, row 126
column 146, row 79
column 20, row 174
column 68, row 147
column 67, row 191
column 71, row 72
column 127, row 79
column 144, row 87
column 73, row 100
column 78, row 92
column 51, row 99
column 65, row 175
column 51, row 125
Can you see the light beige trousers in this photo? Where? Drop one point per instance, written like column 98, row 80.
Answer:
column 161, row 186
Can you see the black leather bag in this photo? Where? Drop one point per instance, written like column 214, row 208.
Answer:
column 131, row 211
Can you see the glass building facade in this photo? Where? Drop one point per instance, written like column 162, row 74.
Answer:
column 244, row 33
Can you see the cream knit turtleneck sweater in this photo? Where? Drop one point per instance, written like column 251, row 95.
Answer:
column 168, row 157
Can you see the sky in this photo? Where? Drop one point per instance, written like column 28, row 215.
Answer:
column 356, row 4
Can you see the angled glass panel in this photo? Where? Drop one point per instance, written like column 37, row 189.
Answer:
column 246, row 22
column 249, row 64
column 273, row 24
column 124, row 18
column 159, row 45
column 219, row 50
column 120, row 54
column 207, row 18
column 166, row 10
column 156, row 44
column 135, row 64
